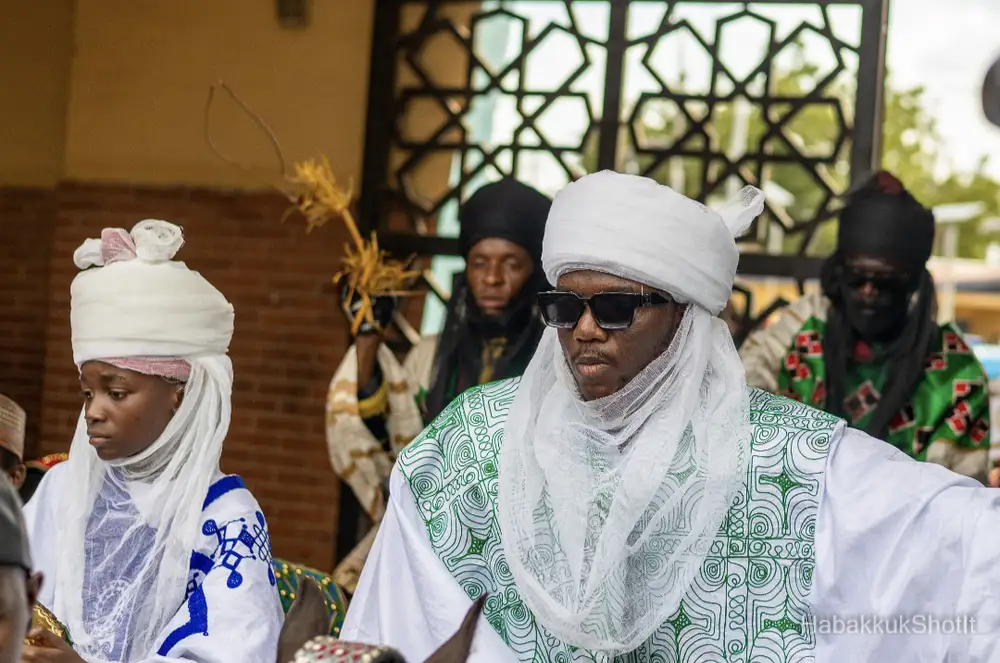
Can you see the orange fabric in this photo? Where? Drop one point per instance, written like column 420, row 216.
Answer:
column 46, row 463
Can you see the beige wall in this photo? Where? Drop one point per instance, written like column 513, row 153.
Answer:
column 136, row 74
column 35, row 47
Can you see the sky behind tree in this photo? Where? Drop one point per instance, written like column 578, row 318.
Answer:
column 947, row 46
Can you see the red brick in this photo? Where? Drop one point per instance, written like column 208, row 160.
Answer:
column 27, row 220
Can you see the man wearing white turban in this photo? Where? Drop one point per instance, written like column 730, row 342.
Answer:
column 149, row 552
column 630, row 499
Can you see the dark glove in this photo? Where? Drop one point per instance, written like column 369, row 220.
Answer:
column 382, row 310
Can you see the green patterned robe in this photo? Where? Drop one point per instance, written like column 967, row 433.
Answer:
column 748, row 602
column 951, row 403
column 949, row 409
column 288, row 576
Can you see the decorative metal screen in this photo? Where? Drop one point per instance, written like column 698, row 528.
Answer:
column 700, row 94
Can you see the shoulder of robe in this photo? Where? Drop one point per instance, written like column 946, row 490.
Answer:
column 768, row 409
column 477, row 414
column 960, row 356
column 228, row 498
column 419, row 362
column 49, row 485
column 784, row 325
column 811, row 305
column 427, row 345
column 56, row 472
column 808, row 306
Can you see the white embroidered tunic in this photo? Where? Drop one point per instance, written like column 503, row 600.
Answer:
column 835, row 537
column 232, row 611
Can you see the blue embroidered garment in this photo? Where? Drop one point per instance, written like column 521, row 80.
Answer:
column 231, row 612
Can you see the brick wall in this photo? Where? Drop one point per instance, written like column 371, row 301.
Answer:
column 289, row 336
column 26, row 222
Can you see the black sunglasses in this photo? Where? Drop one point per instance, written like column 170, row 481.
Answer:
column 611, row 310
column 856, row 278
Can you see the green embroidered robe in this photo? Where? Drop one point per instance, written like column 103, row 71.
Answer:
column 749, row 600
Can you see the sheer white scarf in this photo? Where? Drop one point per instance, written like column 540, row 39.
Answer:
column 608, row 508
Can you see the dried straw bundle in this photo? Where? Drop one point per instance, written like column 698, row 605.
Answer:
column 368, row 270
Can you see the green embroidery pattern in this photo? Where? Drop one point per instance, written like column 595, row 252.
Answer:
column 749, row 601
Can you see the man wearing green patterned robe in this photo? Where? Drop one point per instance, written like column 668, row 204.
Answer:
column 868, row 348
column 631, row 499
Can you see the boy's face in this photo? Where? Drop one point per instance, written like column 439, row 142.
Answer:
column 125, row 411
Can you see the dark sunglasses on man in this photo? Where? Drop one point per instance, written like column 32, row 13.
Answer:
column 611, row 310
column 883, row 282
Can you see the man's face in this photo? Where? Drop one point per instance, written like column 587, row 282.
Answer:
column 604, row 361
column 496, row 270
column 125, row 411
column 13, row 468
column 877, row 293
column 17, row 598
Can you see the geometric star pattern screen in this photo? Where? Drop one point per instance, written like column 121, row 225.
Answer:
column 702, row 95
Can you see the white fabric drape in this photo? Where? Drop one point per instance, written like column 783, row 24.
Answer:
column 220, row 622
column 878, row 511
column 607, row 508
column 406, row 597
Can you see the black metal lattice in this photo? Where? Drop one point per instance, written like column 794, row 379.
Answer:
column 407, row 79
column 428, row 73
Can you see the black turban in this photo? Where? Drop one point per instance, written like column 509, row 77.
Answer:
column 507, row 210
column 517, row 213
column 991, row 94
column 882, row 219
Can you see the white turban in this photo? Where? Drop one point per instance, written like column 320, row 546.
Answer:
column 135, row 308
column 632, row 227
column 608, row 507
column 134, row 300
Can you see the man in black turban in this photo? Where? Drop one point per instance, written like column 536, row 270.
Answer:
column 491, row 330
column 868, row 347
column 375, row 406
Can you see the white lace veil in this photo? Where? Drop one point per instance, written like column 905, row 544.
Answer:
column 129, row 526
column 608, row 507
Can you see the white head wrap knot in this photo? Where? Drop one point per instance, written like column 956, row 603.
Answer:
column 135, row 307
column 632, row 227
column 134, row 300
column 608, row 508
